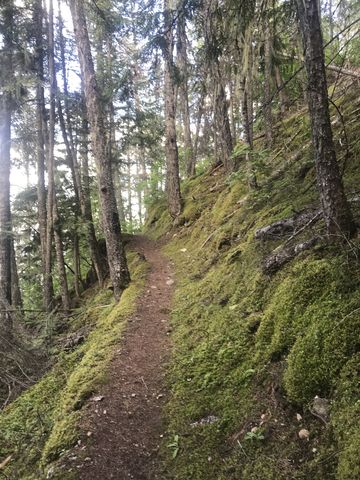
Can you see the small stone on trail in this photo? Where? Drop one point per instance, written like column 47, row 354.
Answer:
column 98, row 398
column 170, row 282
column 89, row 434
column 133, row 395
column 304, row 434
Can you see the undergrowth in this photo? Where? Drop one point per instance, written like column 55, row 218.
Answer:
column 251, row 351
column 38, row 427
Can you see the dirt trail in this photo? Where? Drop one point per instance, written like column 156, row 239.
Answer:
column 127, row 424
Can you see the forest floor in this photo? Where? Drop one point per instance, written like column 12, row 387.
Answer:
column 124, row 421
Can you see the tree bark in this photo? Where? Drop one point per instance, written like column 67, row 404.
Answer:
column 119, row 272
column 6, row 102
column 184, row 93
column 171, row 149
column 16, row 298
column 336, row 211
column 85, row 202
column 38, row 17
column 53, row 220
column 267, row 82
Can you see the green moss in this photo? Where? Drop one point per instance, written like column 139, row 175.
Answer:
column 346, row 419
column 43, row 422
column 247, row 345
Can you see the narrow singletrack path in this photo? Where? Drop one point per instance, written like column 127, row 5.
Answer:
column 127, row 424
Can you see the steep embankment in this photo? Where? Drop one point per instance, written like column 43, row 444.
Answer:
column 252, row 350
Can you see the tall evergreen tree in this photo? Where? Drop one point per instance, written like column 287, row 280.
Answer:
column 171, row 147
column 6, row 108
column 119, row 272
column 337, row 214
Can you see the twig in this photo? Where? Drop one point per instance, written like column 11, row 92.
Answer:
column 312, row 220
column 318, row 416
column 208, row 238
column 142, row 379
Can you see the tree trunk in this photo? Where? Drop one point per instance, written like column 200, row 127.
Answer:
column 6, row 101
column 53, row 217
column 129, row 195
column 16, row 298
column 267, row 83
column 184, row 93
column 171, row 149
column 248, row 108
column 118, row 194
column 222, row 132
column 284, row 100
column 221, row 121
column 337, row 214
column 119, row 272
column 85, row 202
column 40, row 144
column 200, row 114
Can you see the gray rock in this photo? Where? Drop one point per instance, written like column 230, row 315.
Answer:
column 321, row 407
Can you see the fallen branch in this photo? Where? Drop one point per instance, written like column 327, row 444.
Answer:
column 313, row 220
column 280, row 257
column 282, row 227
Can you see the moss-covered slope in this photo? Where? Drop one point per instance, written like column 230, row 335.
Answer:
column 252, row 351
column 37, row 428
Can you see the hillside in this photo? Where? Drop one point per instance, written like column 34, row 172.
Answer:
column 263, row 370
column 254, row 350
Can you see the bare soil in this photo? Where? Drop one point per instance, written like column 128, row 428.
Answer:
column 126, row 426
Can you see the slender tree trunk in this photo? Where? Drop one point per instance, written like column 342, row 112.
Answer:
column 232, row 108
column 119, row 272
column 267, row 82
column 67, row 133
column 16, row 298
column 85, row 201
column 6, row 102
column 171, row 148
column 284, row 100
column 72, row 160
column 6, row 106
column 184, row 93
column 139, row 195
column 221, row 120
column 52, row 210
column 129, row 195
column 38, row 17
column 336, row 211
column 248, row 108
column 222, row 132
column 200, row 114
column 118, row 193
